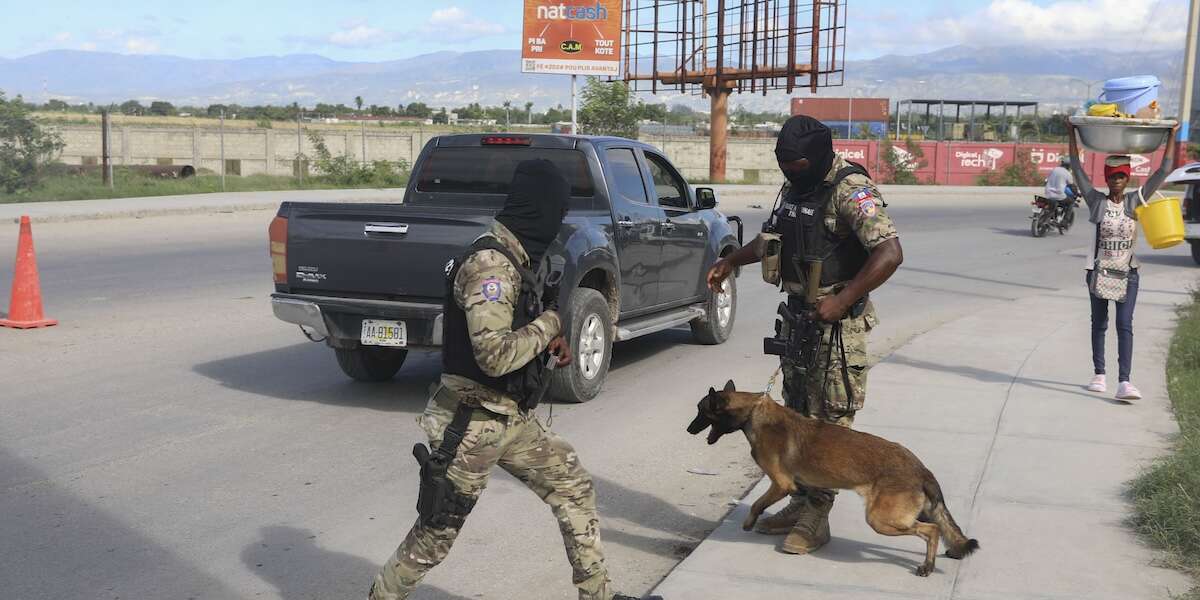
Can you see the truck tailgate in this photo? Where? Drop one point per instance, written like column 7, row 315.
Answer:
column 382, row 251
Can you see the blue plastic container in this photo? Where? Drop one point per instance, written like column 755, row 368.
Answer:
column 1131, row 94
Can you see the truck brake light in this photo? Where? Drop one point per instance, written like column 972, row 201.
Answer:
column 506, row 140
column 278, row 235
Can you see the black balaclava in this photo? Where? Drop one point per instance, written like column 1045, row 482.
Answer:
column 535, row 207
column 805, row 137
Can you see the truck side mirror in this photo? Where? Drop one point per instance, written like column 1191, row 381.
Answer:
column 706, row 198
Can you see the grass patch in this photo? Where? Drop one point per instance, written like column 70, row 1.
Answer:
column 127, row 184
column 1167, row 495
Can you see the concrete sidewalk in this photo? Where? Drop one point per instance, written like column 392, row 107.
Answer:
column 1032, row 465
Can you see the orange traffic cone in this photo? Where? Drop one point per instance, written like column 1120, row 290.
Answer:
column 25, row 310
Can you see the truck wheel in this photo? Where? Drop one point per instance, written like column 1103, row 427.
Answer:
column 1196, row 251
column 589, row 332
column 719, row 313
column 369, row 363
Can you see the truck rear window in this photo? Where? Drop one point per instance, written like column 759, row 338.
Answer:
column 489, row 170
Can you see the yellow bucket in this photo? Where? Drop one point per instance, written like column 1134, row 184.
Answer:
column 1162, row 222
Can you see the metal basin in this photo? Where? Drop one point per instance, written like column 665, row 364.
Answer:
column 1122, row 136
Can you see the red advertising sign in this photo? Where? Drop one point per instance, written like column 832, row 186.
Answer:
column 572, row 37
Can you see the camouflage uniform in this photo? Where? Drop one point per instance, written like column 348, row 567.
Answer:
column 823, row 393
column 501, row 433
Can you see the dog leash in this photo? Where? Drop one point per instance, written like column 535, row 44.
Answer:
column 773, row 379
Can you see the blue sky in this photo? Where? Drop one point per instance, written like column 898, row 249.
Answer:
column 371, row 30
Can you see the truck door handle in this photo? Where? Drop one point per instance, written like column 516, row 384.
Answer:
column 625, row 224
column 668, row 226
column 400, row 228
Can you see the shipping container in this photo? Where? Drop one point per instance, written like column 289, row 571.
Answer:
column 840, row 109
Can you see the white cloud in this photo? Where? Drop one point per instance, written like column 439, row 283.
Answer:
column 61, row 37
column 1112, row 24
column 89, row 46
column 358, row 36
column 455, row 23
column 136, row 45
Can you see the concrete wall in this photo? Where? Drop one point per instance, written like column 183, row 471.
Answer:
column 273, row 151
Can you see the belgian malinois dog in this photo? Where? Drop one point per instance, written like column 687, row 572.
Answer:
column 902, row 496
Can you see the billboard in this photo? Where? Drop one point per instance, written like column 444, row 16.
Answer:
column 572, row 37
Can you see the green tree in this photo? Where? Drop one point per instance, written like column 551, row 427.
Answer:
column 900, row 166
column 529, row 112
column 358, row 101
column 419, row 110
column 1022, row 172
column 609, row 109
column 129, row 107
column 56, row 106
column 160, row 108
column 214, row 110
column 507, row 108
column 442, row 117
column 25, row 149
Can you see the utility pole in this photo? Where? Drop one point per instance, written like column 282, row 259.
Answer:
column 364, row 141
column 105, row 161
column 574, row 108
column 1189, row 74
column 222, row 136
column 299, row 149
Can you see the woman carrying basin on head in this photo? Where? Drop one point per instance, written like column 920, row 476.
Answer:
column 1112, row 268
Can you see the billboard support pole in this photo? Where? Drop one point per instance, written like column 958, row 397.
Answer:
column 1189, row 73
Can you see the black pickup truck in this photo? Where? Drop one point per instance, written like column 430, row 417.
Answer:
column 369, row 279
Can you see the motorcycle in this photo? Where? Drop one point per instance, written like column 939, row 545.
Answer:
column 1049, row 213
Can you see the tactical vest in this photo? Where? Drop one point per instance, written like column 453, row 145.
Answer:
column 800, row 222
column 458, row 357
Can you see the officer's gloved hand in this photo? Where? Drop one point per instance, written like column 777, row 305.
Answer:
column 551, row 290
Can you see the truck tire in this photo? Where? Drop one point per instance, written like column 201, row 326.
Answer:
column 370, row 363
column 1195, row 250
column 719, row 313
column 589, row 331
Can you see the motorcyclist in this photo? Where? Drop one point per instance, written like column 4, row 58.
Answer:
column 1060, row 184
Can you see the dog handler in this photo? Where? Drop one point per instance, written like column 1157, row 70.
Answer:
column 481, row 415
column 831, row 215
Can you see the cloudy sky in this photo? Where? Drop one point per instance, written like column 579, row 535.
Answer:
column 371, row 30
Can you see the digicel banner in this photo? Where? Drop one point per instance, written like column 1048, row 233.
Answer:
column 572, row 37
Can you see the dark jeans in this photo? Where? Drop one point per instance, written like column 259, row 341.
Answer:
column 1124, row 329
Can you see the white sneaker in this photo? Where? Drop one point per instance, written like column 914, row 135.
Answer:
column 1098, row 384
column 1126, row 391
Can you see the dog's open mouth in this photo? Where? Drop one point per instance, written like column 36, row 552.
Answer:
column 714, row 434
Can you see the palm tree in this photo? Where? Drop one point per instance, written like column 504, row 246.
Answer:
column 507, row 105
column 529, row 112
column 358, row 101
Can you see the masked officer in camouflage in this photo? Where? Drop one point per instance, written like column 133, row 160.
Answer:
column 833, row 207
column 496, row 339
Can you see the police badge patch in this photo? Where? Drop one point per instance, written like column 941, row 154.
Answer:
column 491, row 289
column 866, row 202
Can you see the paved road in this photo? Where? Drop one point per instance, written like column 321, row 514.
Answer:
column 171, row 439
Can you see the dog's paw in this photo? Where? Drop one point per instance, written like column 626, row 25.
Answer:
column 924, row 570
column 748, row 524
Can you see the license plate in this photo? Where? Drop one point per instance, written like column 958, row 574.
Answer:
column 384, row 333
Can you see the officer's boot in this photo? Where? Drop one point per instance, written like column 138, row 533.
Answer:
column 783, row 521
column 812, row 529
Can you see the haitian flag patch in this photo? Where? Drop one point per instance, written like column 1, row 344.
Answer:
column 492, row 289
column 865, row 199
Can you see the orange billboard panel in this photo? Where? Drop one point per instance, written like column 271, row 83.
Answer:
column 572, row 37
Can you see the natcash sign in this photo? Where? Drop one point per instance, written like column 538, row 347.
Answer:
column 563, row 12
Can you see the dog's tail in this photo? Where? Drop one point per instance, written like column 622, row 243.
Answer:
column 958, row 545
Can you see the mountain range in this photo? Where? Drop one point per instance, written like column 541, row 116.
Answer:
column 1055, row 77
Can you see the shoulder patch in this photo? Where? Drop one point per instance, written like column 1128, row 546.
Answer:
column 492, row 289
column 865, row 199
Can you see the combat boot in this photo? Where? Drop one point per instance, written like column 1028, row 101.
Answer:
column 811, row 530
column 783, row 521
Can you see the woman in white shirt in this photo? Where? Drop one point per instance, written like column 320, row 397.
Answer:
column 1116, row 235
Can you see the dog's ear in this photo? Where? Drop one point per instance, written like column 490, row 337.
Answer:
column 729, row 386
column 712, row 391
